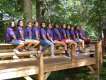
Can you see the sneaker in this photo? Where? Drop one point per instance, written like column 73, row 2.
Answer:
column 16, row 51
column 53, row 55
column 32, row 56
column 15, row 57
column 66, row 53
column 91, row 55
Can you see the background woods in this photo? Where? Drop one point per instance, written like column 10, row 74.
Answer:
column 88, row 13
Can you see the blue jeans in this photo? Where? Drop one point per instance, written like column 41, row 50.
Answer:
column 17, row 42
column 47, row 43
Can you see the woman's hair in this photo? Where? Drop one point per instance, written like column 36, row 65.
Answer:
column 18, row 23
column 28, row 22
column 56, row 24
column 34, row 22
column 49, row 24
column 10, row 23
column 42, row 23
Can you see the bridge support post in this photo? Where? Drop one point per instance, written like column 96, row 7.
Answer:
column 41, row 68
column 73, row 53
column 99, row 59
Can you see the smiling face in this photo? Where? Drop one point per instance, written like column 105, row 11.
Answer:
column 43, row 25
column 68, row 27
column 72, row 28
column 29, row 24
column 64, row 26
column 12, row 24
column 21, row 23
column 50, row 26
column 36, row 24
column 78, row 28
column 57, row 26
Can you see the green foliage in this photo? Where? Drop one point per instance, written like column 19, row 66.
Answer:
column 11, row 7
column 89, row 13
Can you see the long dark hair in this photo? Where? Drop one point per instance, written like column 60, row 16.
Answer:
column 34, row 22
column 18, row 23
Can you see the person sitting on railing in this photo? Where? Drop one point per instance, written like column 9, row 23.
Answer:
column 28, row 36
column 50, row 35
column 12, row 39
column 65, row 33
column 83, row 36
column 44, row 41
column 75, row 32
column 20, row 33
column 58, row 38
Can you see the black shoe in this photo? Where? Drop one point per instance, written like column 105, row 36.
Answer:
column 91, row 55
column 66, row 53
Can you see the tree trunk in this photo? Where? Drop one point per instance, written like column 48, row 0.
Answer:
column 28, row 9
column 38, row 9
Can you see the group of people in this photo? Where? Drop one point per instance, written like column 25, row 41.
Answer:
column 44, row 34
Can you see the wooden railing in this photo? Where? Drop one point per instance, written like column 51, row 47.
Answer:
column 43, row 64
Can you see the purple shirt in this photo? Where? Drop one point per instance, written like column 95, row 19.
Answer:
column 68, row 33
column 73, row 34
column 20, row 33
column 57, row 35
column 82, row 34
column 63, row 33
column 50, row 33
column 28, row 33
column 36, row 33
column 9, row 34
column 77, row 34
column 43, row 33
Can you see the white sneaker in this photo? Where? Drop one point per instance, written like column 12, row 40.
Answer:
column 15, row 57
column 53, row 56
column 32, row 56
column 16, row 51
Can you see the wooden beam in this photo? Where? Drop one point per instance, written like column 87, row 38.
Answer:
column 47, row 75
column 98, row 59
column 28, row 78
column 91, row 69
column 64, row 63
column 41, row 68
column 10, row 54
column 73, row 53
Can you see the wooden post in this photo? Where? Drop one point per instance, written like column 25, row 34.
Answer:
column 47, row 75
column 73, row 53
column 41, row 68
column 101, row 52
column 98, row 56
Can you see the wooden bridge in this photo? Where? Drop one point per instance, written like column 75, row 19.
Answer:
column 28, row 63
